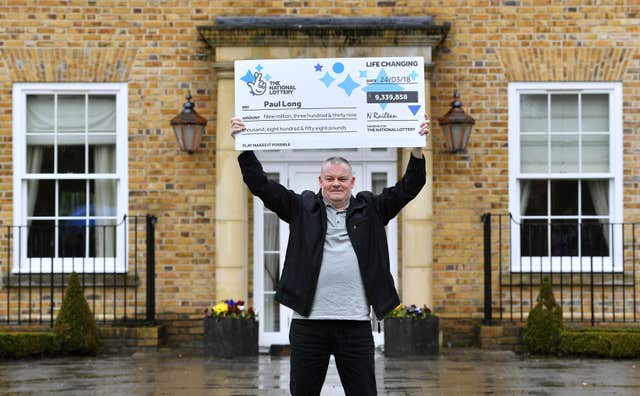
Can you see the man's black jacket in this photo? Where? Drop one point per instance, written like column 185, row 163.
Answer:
column 367, row 215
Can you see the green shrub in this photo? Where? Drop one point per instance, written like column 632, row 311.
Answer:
column 544, row 325
column 75, row 325
column 24, row 345
column 609, row 343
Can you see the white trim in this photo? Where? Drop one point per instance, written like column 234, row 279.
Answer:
column 565, row 264
column 98, row 265
column 615, row 174
column 20, row 92
column 279, row 337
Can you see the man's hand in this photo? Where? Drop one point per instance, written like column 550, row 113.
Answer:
column 236, row 126
column 425, row 129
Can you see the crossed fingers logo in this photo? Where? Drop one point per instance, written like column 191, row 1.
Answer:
column 258, row 86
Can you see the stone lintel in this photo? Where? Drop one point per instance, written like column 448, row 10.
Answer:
column 324, row 32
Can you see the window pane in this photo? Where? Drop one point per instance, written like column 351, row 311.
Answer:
column 564, row 197
column 271, row 271
column 533, row 153
column 595, row 237
column 71, row 154
column 271, row 232
column 595, row 197
column 533, row 238
column 271, row 313
column 564, row 153
column 533, row 197
column 40, row 113
column 72, row 238
column 595, row 112
column 533, row 113
column 72, row 198
column 564, row 238
column 71, row 114
column 564, row 113
column 102, row 154
column 102, row 197
column 378, row 182
column 41, row 198
column 39, row 156
column 102, row 113
column 41, row 239
column 102, row 238
column 595, row 153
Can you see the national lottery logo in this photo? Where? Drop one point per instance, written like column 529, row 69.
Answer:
column 259, row 81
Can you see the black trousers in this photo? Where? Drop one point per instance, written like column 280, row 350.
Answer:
column 314, row 341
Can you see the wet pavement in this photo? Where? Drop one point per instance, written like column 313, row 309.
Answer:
column 455, row 372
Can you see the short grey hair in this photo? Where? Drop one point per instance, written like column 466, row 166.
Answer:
column 336, row 160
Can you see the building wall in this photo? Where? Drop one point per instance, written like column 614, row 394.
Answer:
column 155, row 47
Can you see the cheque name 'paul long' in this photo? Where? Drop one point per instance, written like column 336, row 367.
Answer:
column 281, row 104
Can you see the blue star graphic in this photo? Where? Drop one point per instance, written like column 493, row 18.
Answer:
column 348, row 85
column 248, row 77
column 259, row 67
column 267, row 77
column 363, row 74
column 327, row 79
column 413, row 75
column 318, row 67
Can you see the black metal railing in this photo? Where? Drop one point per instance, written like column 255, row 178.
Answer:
column 110, row 258
column 591, row 266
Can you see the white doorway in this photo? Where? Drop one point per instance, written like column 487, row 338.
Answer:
column 373, row 169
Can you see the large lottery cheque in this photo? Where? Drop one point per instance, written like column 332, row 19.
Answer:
column 330, row 103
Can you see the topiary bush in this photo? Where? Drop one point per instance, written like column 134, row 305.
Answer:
column 75, row 326
column 542, row 333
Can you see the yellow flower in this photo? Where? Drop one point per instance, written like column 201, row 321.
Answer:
column 221, row 308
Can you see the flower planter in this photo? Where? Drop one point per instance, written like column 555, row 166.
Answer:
column 230, row 337
column 411, row 337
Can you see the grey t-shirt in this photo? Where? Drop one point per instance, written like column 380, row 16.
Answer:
column 340, row 292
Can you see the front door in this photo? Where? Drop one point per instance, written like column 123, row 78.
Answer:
column 271, row 234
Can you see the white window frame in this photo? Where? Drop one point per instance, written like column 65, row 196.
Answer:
column 615, row 177
column 22, row 264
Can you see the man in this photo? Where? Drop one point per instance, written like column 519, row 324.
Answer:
column 336, row 266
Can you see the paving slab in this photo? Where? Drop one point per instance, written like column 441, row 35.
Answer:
column 453, row 372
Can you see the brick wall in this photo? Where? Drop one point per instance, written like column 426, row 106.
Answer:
column 161, row 55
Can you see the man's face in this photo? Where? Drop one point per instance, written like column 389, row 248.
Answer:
column 336, row 183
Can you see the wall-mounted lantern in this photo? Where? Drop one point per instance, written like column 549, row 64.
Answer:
column 456, row 126
column 189, row 127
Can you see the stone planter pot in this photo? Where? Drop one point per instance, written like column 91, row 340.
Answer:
column 411, row 337
column 230, row 337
